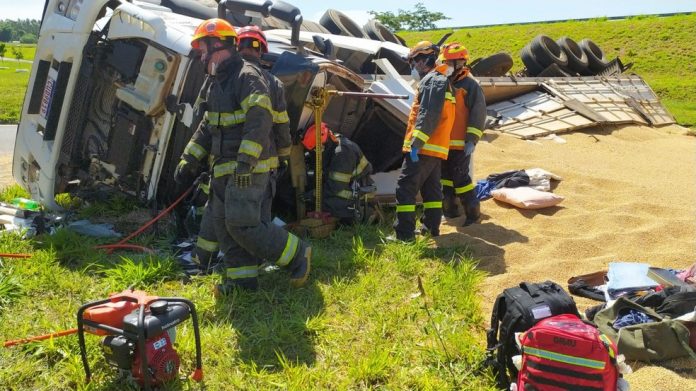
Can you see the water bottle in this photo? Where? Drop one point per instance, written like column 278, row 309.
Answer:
column 26, row 204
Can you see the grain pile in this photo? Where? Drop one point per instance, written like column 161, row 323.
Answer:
column 630, row 196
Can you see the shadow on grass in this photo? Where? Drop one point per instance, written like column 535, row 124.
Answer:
column 276, row 326
column 272, row 323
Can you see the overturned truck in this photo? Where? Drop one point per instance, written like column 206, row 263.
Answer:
column 110, row 101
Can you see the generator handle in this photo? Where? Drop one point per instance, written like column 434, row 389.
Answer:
column 198, row 373
column 81, row 335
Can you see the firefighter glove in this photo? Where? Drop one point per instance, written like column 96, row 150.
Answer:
column 414, row 154
column 183, row 173
column 242, row 175
column 469, row 148
column 283, row 164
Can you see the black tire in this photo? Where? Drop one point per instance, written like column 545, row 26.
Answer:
column 596, row 59
column 271, row 23
column 577, row 59
column 377, row 31
column 339, row 23
column 533, row 66
column 547, row 52
column 313, row 27
column 493, row 66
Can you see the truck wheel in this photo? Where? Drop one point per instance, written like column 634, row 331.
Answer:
column 339, row 23
column 492, row 66
column 533, row 66
column 313, row 27
column 595, row 56
column 377, row 31
column 547, row 52
column 577, row 59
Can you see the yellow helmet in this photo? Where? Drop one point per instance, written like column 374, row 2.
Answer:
column 423, row 47
column 214, row 28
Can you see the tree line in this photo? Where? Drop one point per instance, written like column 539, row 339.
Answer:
column 22, row 30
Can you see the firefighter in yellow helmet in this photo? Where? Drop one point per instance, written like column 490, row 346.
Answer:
column 426, row 144
column 469, row 121
column 235, row 137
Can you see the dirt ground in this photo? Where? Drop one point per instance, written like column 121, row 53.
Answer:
column 630, row 195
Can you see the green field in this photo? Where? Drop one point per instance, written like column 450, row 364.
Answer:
column 13, row 85
column 661, row 49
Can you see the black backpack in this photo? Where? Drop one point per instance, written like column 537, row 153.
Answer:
column 517, row 309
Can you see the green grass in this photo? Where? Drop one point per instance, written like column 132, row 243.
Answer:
column 14, row 84
column 661, row 49
column 28, row 50
column 360, row 323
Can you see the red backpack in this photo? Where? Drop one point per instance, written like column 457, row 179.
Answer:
column 564, row 353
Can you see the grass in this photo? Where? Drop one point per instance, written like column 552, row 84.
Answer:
column 661, row 49
column 13, row 85
column 360, row 324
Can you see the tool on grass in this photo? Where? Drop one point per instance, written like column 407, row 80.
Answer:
column 138, row 335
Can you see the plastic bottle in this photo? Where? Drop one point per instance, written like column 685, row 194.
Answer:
column 26, row 204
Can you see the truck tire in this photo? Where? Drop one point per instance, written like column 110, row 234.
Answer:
column 493, row 66
column 577, row 59
column 313, row 27
column 377, row 31
column 533, row 66
column 547, row 52
column 595, row 56
column 339, row 23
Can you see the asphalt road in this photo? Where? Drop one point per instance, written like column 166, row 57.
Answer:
column 7, row 138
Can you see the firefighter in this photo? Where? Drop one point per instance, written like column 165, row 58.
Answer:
column 252, row 45
column 426, row 143
column 345, row 168
column 469, row 122
column 236, row 138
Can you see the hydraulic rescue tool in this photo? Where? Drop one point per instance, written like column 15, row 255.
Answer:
column 138, row 335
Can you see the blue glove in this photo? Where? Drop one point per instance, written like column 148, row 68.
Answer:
column 414, row 154
column 469, row 148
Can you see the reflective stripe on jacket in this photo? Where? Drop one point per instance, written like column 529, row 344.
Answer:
column 470, row 112
column 432, row 115
column 346, row 163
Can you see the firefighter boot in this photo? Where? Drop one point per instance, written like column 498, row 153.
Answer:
column 300, row 266
column 472, row 207
column 450, row 208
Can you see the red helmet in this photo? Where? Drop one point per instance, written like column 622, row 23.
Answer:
column 455, row 51
column 254, row 33
column 213, row 28
column 310, row 137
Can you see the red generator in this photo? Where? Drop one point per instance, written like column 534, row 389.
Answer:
column 138, row 335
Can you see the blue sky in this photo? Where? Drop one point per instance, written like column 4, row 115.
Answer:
column 480, row 13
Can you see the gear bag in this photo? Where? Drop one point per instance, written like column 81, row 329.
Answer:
column 564, row 352
column 517, row 309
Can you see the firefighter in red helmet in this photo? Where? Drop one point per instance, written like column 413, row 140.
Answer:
column 469, row 122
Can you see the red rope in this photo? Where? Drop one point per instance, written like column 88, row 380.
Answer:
column 122, row 243
column 8, row 255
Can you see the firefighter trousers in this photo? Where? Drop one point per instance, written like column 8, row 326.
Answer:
column 242, row 222
column 456, row 180
column 423, row 176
